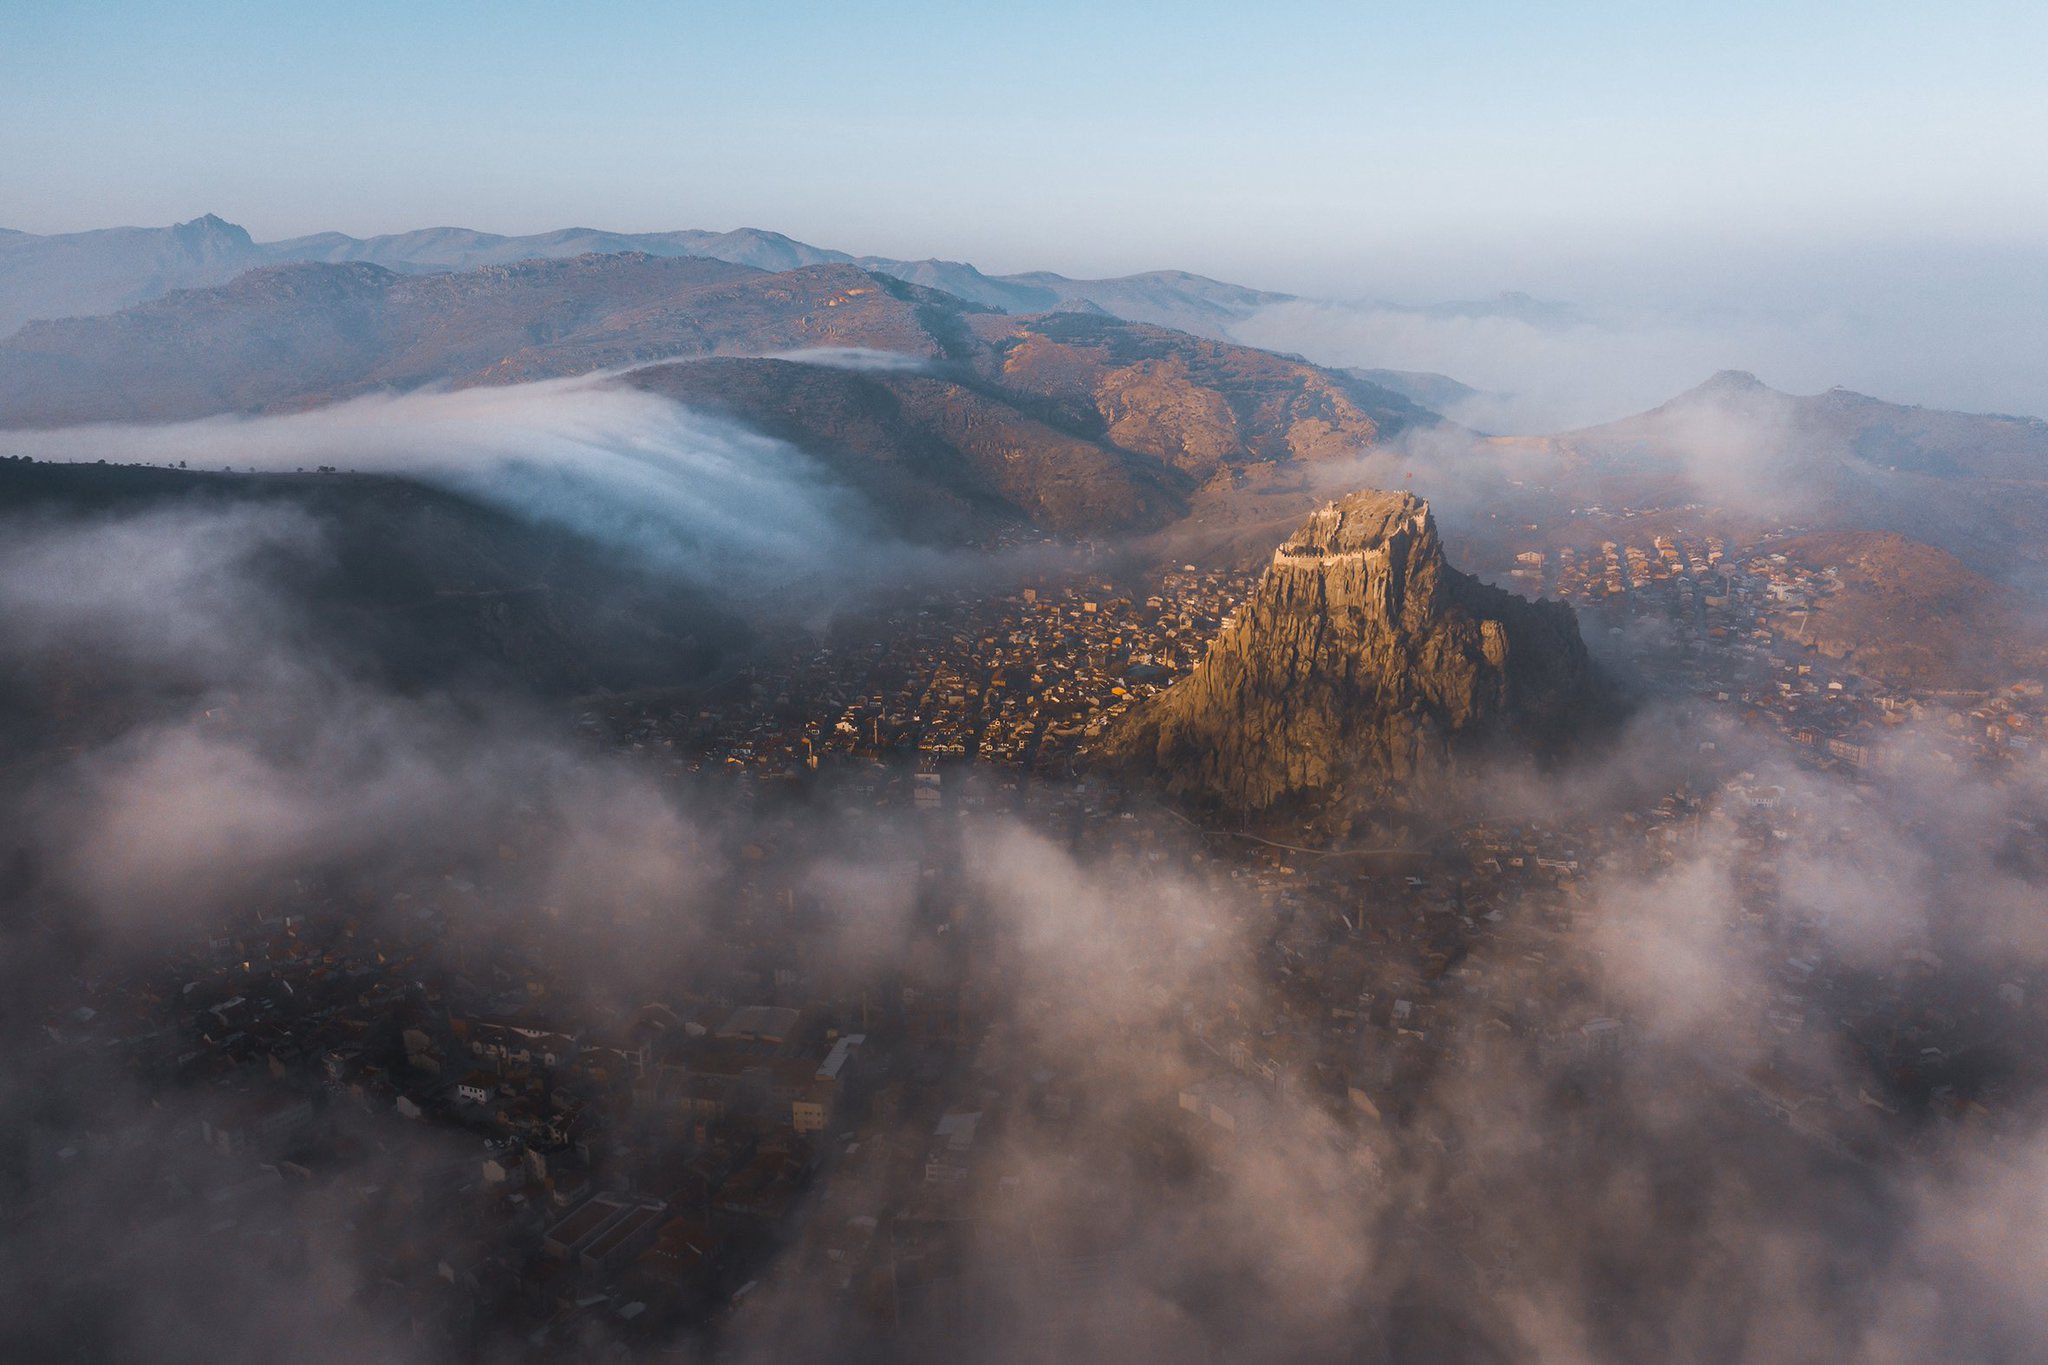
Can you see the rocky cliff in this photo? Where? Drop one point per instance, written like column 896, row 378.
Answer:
column 1362, row 662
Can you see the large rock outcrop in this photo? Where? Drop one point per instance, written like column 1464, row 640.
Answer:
column 1362, row 662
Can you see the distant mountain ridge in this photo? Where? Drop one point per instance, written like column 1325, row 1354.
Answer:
column 90, row 273
column 310, row 333
column 81, row 273
column 456, row 249
column 1844, row 426
column 1073, row 421
column 1837, row 425
column 1973, row 484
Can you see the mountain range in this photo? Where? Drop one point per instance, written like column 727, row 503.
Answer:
column 1362, row 664
column 1068, row 420
column 1800, row 435
column 88, row 273
column 1974, row 485
column 1079, row 408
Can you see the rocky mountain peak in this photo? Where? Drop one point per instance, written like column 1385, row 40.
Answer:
column 210, row 234
column 1361, row 663
column 1732, row 381
column 1359, row 522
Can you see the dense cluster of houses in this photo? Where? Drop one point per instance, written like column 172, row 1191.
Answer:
column 1736, row 637
column 1018, row 680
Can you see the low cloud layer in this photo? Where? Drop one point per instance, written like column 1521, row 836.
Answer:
column 695, row 496
column 853, row 358
column 1532, row 378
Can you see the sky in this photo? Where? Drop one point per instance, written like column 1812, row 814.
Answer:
column 1301, row 143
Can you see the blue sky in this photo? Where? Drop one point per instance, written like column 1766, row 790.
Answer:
column 1301, row 145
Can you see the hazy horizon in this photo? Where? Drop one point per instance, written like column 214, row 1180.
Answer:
column 1824, row 195
column 1310, row 142
column 1922, row 323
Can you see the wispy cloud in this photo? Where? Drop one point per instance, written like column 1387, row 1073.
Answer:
column 693, row 495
